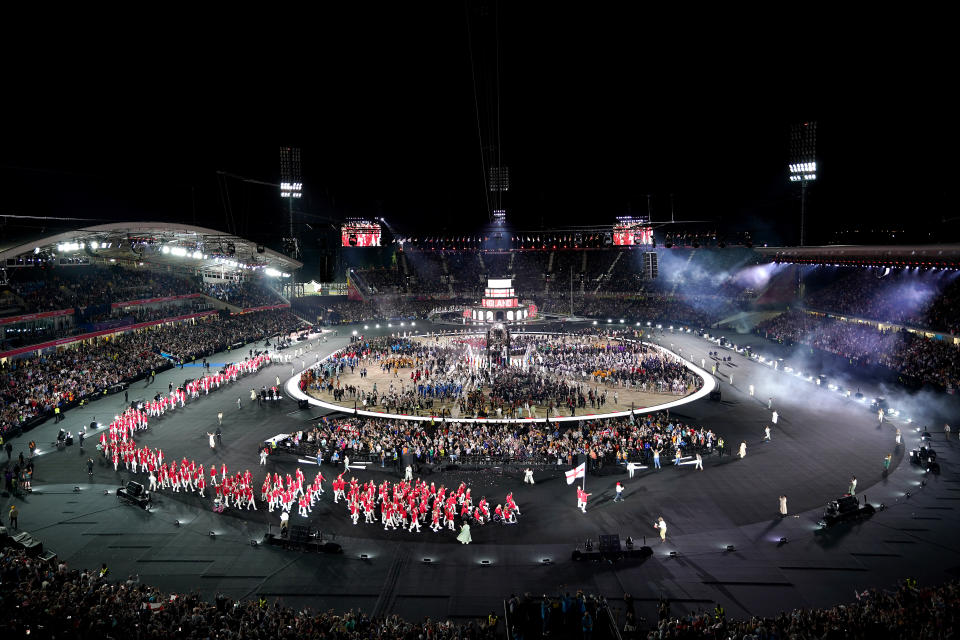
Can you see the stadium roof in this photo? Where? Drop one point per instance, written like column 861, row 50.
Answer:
column 919, row 255
column 180, row 246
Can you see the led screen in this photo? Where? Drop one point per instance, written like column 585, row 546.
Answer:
column 360, row 235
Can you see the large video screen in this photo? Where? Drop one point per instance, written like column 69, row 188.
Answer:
column 633, row 234
column 361, row 234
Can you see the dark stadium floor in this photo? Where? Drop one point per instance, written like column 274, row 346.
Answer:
column 820, row 441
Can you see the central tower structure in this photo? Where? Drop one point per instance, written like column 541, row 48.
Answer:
column 499, row 304
column 498, row 346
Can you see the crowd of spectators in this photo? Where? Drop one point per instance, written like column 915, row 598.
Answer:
column 698, row 311
column 53, row 600
column 557, row 375
column 383, row 280
column 613, row 441
column 925, row 300
column 901, row 297
column 206, row 338
column 36, row 290
column 907, row 611
column 88, row 321
column 566, row 616
column 693, row 311
column 340, row 310
column 920, row 359
column 246, row 295
column 34, row 386
column 42, row 600
column 593, row 270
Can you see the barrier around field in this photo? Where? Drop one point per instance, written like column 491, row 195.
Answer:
column 292, row 387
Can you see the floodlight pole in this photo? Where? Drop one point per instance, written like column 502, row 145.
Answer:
column 291, row 216
column 803, row 211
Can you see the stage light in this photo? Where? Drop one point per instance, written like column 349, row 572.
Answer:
column 783, row 540
column 730, row 548
column 176, row 523
column 413, row 324
column 76, row 488
column 364, row 556
column 254, row 543
column 377, row 326
column 354, row 332
column 212, row 534
column 546, row 561
column 673, row 554
column 485, row 563
column 427, row 560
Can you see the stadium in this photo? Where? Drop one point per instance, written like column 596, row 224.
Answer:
column 249, row 392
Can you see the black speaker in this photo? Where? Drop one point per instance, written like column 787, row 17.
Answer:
column 28, row 543
column 609, row 543
column 135, row 488
column 848, row 503
column 299, row 534
column 715, row 395
column 331, row 547
column 303, row 404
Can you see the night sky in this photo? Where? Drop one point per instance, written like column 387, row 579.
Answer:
column 596, row 110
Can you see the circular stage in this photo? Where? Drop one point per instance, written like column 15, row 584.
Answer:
column 528, row 357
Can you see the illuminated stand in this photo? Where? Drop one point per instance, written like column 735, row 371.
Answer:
column 499, row 304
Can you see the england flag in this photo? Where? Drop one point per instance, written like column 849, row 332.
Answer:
column 577, row 472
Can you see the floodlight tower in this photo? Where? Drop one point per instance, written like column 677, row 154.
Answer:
column 803, row 164
column 291, row 187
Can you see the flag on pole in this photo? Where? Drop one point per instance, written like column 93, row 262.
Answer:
column 577, row 472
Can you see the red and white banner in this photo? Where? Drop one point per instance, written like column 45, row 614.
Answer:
column 266, row 308
column 134, row 303
column 36, row 316
column 577, row 472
